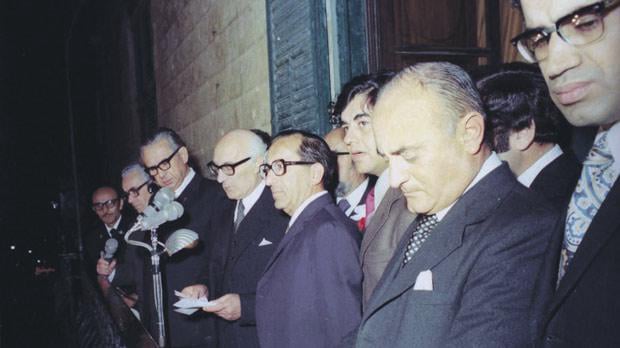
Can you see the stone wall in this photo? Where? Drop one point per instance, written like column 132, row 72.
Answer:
column 211, row 69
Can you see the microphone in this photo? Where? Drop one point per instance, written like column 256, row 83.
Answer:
column 163, row 208
column 109, row 249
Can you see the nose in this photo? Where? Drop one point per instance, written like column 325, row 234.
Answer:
column 347, row 138
column 396, row 172
column 561, row 57
column 268, row 179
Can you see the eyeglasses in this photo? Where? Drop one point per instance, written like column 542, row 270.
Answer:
column 340, row 153
column 278, row 167
column 135, row 191
column 579, row 28
column 227, row 168
column 109, row 204
column 162, row 165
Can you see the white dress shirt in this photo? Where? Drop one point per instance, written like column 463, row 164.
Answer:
column 530, row 174
column 250, row 200
column 188, row 178
column 354, row 198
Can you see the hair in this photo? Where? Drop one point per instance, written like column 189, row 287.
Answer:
column 449, row 82
column 370, row 84
column 162, row 133
column 515, row 96
column 313, row 148
column 264, row 136
column 137, row 168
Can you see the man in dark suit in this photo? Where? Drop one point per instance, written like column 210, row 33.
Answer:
column 387, row 216
column 247, row 233
column 353, row 187
column 524, row 129
column 165, row 157
column 310, row 293
column 583, row 75
column 464, row 273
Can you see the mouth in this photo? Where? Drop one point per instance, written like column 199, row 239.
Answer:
column 571, row 93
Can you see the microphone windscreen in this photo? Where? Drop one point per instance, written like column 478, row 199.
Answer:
column 110, row 248
column 163, row 197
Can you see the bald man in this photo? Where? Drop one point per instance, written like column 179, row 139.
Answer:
column 353, row 186
column 247, row 233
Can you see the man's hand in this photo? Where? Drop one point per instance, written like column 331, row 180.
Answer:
column 105, row 268
column 227, row 307
column 196, row 291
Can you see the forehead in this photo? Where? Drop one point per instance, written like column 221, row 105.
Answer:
column 285, row 148
column 547, row 12
column 132, row 179
column 104, row 195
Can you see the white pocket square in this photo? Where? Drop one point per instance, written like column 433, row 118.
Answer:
column 264, row 242
column 424, row 281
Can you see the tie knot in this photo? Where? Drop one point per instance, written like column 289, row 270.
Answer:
column 427, row 221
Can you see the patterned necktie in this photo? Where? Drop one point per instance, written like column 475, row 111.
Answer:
column 425, row 224
column 597, row 177
column 370, row 204
column 344, row 205
column 240, row 215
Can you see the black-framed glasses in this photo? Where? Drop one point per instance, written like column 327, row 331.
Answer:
column 163, row 164
column 135, row 191
column 109, row 204
column 278, row 167
column 226, row 168
column 340, row 153
column 578, row 28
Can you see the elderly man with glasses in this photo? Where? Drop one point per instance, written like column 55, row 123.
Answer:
column 165, row 157
column 247, row 233
column 576, row 44
column 310, row 292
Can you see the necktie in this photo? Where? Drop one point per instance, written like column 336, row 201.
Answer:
column 370, row 203
column 240, row 214
column 114, row 233
column 344, row 205
column 425, row 224
column 597, row 177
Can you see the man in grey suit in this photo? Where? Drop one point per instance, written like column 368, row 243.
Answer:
column 464, row 273
column 576, row 44
column 310, row 292
column 387, row 217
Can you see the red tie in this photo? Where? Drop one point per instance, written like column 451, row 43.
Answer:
column 370, row 203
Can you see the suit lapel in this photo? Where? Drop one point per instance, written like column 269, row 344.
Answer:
column 605, row 223
column 471, row 209
column 250, row 226
column 378, row 220
column 298, row 227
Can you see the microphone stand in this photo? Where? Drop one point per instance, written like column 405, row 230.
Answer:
column 157, row 289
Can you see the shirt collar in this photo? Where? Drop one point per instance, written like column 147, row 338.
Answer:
column 304, row 205
column 114, row 226
column 251, row 199
column 488, row 166
column 613, row 139
column 190, row 175
column 527, row 177
column 355, row 196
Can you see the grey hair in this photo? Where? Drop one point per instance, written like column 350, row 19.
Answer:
column 163, row 133
column 449, row 82
column 137, row 168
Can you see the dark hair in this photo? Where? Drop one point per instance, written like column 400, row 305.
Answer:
column 516, row 4
column 171, row 136
column 358, row 85
column 264, row 136
column 313, row 148
column 514, row 96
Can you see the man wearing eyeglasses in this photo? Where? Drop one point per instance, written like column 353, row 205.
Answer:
column 310, row 292
column 165, row 157
column 353, row 187
column 576, row 44
column 247, row 233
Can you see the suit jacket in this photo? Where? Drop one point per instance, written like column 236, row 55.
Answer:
column 310, row 293
column 585, row 308
column 237, row 263
column 483, row 255
column 381, row 237
column 200, row 200
column 557, row 180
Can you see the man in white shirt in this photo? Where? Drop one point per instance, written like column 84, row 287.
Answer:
column 353, row 186
column 524, row 129
column 386, row 215
column 576, row 44
column 464, row 273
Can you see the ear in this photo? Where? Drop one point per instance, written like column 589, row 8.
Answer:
column 521, row 140
column 473, row 132
column 316, row 173
column 184, row 154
